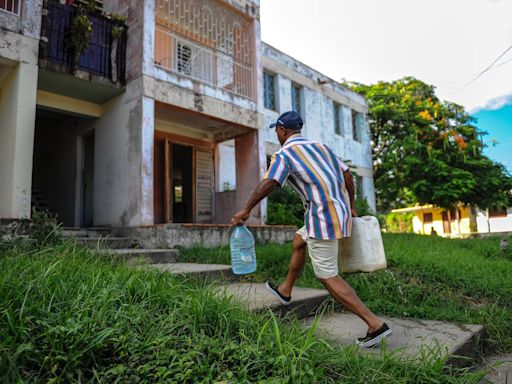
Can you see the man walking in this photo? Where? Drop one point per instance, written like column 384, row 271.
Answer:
column 326, row 187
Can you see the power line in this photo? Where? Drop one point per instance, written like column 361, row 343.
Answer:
column 488, row 68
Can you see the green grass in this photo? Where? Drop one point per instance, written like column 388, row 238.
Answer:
column 68, row 315
column 466, row 281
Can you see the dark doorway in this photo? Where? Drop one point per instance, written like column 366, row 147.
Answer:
column 88, row 180
column 182, row 184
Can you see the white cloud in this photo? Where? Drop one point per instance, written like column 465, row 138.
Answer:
column 494, row 104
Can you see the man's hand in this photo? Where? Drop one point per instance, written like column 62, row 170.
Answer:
column 354, row 212
column 240, row 217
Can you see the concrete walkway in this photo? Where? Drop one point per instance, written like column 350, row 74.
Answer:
column 415, row 339
column 412, row 339
column 501, row 369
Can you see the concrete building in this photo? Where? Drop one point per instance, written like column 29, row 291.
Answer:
column 160, row 119
column 130, row 144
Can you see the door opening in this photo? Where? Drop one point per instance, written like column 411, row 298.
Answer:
column 88, row 180
column 182, row 196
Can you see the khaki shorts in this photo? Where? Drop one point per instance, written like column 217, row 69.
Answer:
column 323, row 255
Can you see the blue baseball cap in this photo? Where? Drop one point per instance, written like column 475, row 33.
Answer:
column 288, row 119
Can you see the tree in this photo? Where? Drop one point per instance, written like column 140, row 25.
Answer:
column 428, row 151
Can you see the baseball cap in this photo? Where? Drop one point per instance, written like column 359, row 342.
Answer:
column 288, row 119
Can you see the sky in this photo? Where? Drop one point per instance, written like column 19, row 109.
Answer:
column 445, row 43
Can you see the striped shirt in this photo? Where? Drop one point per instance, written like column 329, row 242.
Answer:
column 316, row 174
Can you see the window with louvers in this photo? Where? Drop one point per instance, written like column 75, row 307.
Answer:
column 183, row 59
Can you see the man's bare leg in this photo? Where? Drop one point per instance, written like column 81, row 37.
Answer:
column 296, row 264
column 345, row 295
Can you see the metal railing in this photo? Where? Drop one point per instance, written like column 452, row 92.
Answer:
column 187, row 57
column 12, row 6
column 97, row 58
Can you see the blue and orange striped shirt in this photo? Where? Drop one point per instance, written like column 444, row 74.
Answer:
column 316, row 174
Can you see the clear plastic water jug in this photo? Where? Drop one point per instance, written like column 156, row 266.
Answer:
column 243, row 255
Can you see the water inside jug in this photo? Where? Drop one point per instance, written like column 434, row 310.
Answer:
column 243, row 254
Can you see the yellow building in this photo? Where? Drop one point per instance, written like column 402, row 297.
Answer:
column 455, row 223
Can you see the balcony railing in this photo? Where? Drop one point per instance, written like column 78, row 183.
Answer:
column 12, row 6
column 187, row 57
column 105, row 54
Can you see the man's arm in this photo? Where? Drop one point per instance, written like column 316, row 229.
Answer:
column 264, row 188
column 349, row 183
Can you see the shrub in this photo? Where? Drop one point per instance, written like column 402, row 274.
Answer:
column 285, row 208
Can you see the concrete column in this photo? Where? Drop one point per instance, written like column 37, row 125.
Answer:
column 123, row 179
column 17, row 121
column 247, row 171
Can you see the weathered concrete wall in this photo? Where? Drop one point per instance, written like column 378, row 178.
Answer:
column 17, row 116
column 189, row 235
column 189, row 94
column 318, row 93
column 224, row 207
column 29, row 21
column 18, row 48
column 123, row 180
column 136, row 13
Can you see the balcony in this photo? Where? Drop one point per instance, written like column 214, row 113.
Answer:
column 208, row 42
column 104, row 54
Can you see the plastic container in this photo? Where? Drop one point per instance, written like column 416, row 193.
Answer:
column 364, row 250
column 243, row 255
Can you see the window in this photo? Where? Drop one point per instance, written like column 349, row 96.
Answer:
column 269, row 91
column 193, row 61
column 427, row 218
column 12, row 6
column 357, row 125
column 338, row 119
column 296, row 100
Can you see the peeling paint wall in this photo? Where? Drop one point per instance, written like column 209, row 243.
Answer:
column 123, row 179
column 136, row 14
column 19, row 49
column 17, row 117
column 318, row 93
column 28, row 23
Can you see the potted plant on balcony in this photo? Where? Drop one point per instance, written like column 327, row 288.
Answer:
column 80, row 36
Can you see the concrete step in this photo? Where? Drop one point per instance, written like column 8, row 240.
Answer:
column 107, row 242
column 207, row 271
column 256, row 297
column 85, row 232
column 500, row 369
column 151, row 256
column 412, row 338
